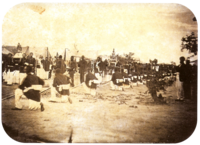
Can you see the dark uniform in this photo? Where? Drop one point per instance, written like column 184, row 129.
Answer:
column 60, row 64
column 45, row 64
column 188, row 80
column 82, row 64
column 102, row 67
column 28, row 82
column 117, row 75
column 72, row 70
column 61, row 79
column 22, row 64
column 31, row 62
column 16, row 63
column 10, row 63
column 125, row 75
column 89, row 77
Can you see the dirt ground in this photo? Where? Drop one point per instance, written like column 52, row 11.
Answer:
column 128, row 116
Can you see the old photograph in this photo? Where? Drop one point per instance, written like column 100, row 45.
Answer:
column 99, row 73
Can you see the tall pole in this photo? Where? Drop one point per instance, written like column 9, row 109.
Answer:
column 65, row 55
column 47, row 53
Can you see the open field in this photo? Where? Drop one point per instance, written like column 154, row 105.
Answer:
column 111, row 116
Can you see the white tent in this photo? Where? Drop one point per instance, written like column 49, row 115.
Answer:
column 37, row 51
column 5, row 51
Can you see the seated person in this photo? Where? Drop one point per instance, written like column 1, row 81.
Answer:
column 30, row 87
column 117, row 80
column 126, row 77
column 91, row 83
column 134, row 79
column 61, row 85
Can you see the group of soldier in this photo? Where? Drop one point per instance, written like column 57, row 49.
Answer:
column 155, row 76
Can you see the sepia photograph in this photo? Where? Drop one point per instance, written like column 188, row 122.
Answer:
column 99, row 72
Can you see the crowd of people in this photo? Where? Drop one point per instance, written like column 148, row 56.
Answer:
column 30, row 74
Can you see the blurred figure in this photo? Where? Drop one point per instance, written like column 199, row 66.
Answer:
column 73, row 69
column 126, row 78
column 181, row 78
column 60, row 64
column 9, row 62
column 46, row 67
column 188, row 80
column 30, row 87
column 194, row 82
column 102, row 67
column 61, row 86
column 117, row 80
column 31, row 62
column 82, row 65
column 22, row 64
column 91, row 83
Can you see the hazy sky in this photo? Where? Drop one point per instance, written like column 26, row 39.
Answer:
column 149, row 30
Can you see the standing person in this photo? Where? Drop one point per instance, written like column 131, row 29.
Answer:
column 9, row 62
column 188, row 80
column 10, row 69
column 82, row 64
column 51, row 66
column 22, row 64
column 72, row 70
column 194, row 82
column 61, row 64
column 106, row 65
column 46, row 66
column 61, row 85
column 30, row 87
column 181, row 77
column 102, row 67
column 31, row 62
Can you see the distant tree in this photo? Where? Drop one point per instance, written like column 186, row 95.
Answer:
column 190, row 43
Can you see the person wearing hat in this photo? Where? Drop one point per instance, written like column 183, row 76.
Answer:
column 30, row 87
column 61, row 86
column 181, row 75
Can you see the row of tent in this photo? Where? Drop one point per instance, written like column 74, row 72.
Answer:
column 37, row 51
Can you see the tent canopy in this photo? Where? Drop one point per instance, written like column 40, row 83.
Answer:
column 12, row 49
column 39, row 51
column 5, row 51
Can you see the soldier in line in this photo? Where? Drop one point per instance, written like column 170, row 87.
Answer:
column 91, row 83
column 72, row 69
column 61, row 86
column 9, row 62
column 181, row 73
column 31, row 62
column 30, row 87
column 82, row 65
column 61, row 65
column 188, row 80
column 102, row 67
column 46, row 67
column 117, row 80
